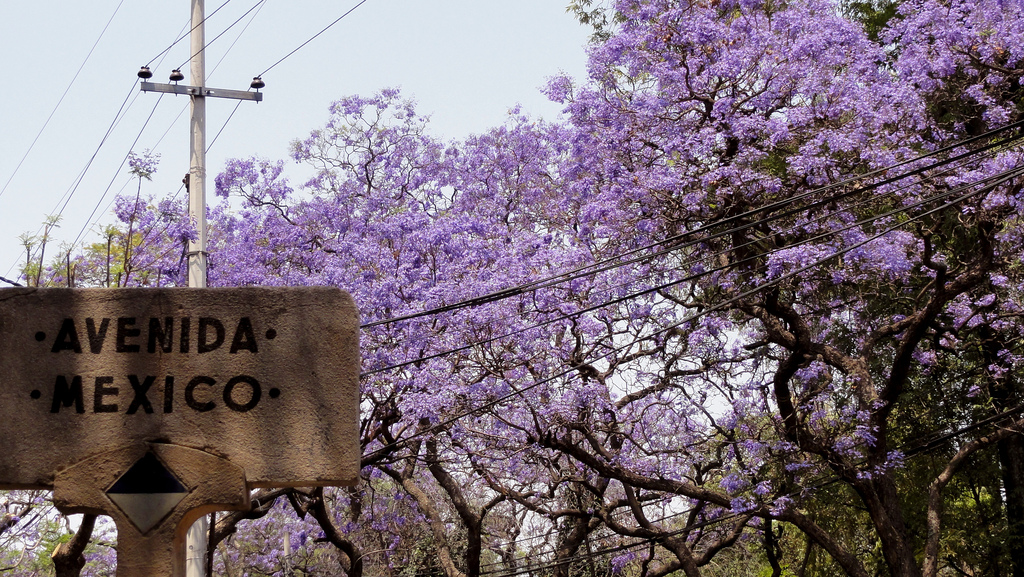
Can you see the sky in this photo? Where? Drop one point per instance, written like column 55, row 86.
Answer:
column 70, row 66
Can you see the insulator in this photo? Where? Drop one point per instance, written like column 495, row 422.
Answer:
column 145, row 73
column 257, row 83
column 176, row 75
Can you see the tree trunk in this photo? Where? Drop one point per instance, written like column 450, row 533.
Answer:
column 883, row 505
column 471, row 520
column 1010, row 451
column 352, row 558
column 68, row 558
column 1011, row 461
column 434, row 520
column 572, row 538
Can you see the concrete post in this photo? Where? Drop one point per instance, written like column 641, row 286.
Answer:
column 197, row 171
column 195, row 542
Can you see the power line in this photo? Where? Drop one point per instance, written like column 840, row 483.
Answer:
column 223, row 32
column 118, row 117
column 930, row 444
column 685, row 279
column 61, row 99
column 713, row 308
column 225, row 125
column 612, row 262
column 123, row 160
column 1006, row 176
column 186, row 34
column 923, row 443
column 753, row 242
column 672, row 248
column 261, row 4
column 999, row 180
column 185, row 107
column 66, row 198
column 314, row 37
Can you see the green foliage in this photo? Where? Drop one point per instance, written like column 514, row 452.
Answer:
column 874, row 15
column 596, row 14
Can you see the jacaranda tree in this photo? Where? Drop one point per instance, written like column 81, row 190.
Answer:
column 754, row 306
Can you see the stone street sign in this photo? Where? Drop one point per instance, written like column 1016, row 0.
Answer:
column 153, row 492
column 263, row 378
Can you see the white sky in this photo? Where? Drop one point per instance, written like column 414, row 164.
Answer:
column 465, row 62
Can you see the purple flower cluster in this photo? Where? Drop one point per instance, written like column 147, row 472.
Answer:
column 751, row 334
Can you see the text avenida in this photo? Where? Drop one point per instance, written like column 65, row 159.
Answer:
column 158, row 335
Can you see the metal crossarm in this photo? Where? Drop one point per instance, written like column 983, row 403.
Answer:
column 201, row 91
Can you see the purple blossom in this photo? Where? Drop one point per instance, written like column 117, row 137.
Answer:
column 144, row 165
column 667, row 360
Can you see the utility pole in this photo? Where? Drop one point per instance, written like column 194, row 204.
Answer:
column 197, row 254
column 197, row 156
column 197, row 538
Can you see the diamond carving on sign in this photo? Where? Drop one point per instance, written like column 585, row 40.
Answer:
column 147, row 492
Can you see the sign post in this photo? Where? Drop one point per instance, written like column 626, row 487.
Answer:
column 157, row 406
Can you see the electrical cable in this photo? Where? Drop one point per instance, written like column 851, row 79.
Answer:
column 613, row 262
column 171, row 125
column 702, row 240
column 118, row 117
column 209, row 147
column 585, row 270
column 66, row 199
column 1009, row 175
column 213, row 70
column 618, row 300
column 518, row 393
column 910, row 449
column 1004, row 177
column 121, row 165
column 314, row 37
column 78, row 180
column 106, row 209
column 223, row 32
column 938, row 441
column 223, row 126
column 187, row 34
column 261, row 5
column 181, row 187
column 999, row 179
column 750, row 243
column 61, row 99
